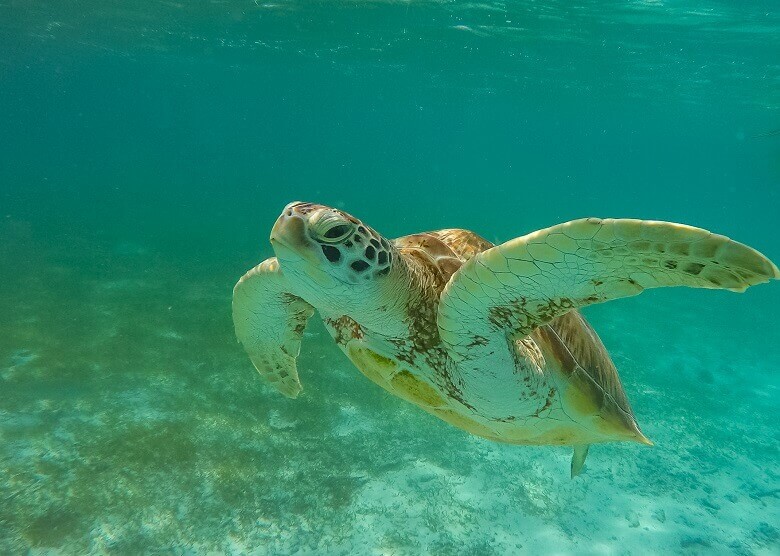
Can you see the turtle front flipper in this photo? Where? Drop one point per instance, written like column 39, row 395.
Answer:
column 269, row 322
column 527, row 282
column 524, row 287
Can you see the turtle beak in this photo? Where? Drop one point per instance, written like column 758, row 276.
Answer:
column 289, row 236
column 294, row 248
column 289, row 229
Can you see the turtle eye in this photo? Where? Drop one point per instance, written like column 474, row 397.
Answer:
column 330, row 228
column 337, row 232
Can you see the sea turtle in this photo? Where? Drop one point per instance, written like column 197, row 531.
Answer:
column 487, row 338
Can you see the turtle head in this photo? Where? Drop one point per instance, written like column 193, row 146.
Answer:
column 331, row 259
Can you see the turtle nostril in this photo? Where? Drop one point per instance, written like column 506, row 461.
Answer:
column 292, row 208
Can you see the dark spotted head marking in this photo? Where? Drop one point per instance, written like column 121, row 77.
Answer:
column 331, row 253
column 333, row 241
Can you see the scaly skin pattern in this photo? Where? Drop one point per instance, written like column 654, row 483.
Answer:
column 526, row 287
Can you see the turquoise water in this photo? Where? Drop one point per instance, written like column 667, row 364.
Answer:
column 147, row 148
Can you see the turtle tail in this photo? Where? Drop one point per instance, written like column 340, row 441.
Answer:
column 578, row 459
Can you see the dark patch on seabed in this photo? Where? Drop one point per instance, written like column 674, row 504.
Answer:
column 148, row 150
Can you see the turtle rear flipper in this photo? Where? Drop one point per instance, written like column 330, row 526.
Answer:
column 269, row 322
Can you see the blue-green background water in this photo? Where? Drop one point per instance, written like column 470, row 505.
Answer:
column 147, row 148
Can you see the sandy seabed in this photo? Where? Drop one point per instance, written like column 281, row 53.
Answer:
column 132, row 422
